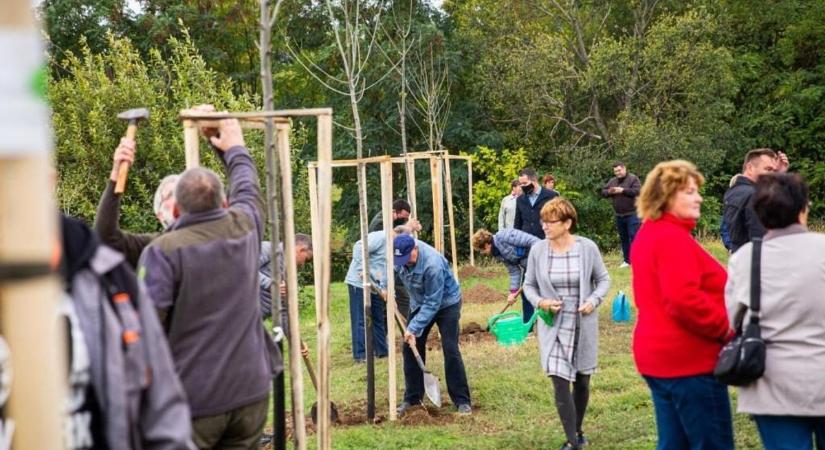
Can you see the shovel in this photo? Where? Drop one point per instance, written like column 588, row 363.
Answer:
column 333, row 410
column 432, row 387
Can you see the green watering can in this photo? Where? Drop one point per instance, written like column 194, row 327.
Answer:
column 510, row 330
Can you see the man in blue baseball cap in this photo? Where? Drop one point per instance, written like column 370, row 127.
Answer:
column 435, row 299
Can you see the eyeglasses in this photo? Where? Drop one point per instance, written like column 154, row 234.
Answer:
column 546, row 223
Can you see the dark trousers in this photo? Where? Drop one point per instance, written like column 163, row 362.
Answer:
column 791, row 432
column 526, row 309
column 239, row 429
column 358, row 327
column 571, row 406
column 402, row 298
column 692, row 413
column 447, row 321
column 627, row 226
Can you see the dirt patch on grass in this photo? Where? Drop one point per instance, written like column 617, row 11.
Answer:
column 425, row 415
column 482, row 294
column 475, row 272
column 471, row 333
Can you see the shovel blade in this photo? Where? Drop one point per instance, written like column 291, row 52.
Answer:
column 432, row 388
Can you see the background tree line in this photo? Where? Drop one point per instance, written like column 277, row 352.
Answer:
column 568, row 86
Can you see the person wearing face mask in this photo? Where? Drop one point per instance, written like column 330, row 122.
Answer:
column 528, row 216
column 108, row 210
column 682, row 322
column 738, row 214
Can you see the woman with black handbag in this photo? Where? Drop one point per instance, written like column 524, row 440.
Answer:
column 788, row 400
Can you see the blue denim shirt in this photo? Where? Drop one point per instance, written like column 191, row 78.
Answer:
column 377, row 249
column 431, row 285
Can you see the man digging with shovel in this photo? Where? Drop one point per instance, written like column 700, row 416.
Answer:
column 435, row 299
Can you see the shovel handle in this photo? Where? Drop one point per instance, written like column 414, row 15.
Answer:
column 310, row 369
column 123, row 169
column 399, row 319
column 507, row 306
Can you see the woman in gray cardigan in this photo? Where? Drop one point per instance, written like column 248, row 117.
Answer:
column 566, row 276
column 788, row 401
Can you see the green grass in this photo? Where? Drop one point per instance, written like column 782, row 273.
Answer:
column 513, row 406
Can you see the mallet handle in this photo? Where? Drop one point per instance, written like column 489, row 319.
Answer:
column 123, row 169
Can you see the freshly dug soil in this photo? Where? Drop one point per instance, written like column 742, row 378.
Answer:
column 475, row 272
column 471, row 333
column 481, row 293
column 425, row 415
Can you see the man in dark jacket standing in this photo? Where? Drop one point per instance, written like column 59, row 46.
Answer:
column 623, row 189
column 528, row 207
column 202, row 275
column 738, row 213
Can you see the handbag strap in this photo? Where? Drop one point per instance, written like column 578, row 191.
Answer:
column 756, row 280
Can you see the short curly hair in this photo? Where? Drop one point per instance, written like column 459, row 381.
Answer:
column 559, row 209
column 481, row 238
column 662, row 183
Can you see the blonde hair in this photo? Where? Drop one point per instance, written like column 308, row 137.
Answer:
column 662, row 183
column 481, row 238
column 559, row 209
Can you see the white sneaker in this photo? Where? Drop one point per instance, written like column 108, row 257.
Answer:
column 623, row 265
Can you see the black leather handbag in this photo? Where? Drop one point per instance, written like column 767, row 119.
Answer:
column 742, row 360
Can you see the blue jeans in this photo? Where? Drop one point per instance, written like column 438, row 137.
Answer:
column 359, row 329
column 457, row 387
column 791, row 432
column 526, row 309
column 692, row 413
column 627, row 226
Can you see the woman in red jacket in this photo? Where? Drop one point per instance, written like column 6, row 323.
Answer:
column 682, row 323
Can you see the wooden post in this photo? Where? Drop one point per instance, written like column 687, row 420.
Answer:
column 367, row 293
column 322, row 311
column 450, row 216
column 470, row 195
column 190, row 144
column 386, row 201
column 33, row 416
column 438, row 209
column 296, row 371
column 409, row 165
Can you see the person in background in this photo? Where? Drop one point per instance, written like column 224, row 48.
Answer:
column 528, row 217
column 788, row 401
column 724, row 229
column 511, row 247
column 108, row 209
column 739, row 217
column 682, row 322
column 549, row 182
column 377, row 250
column 623, row 189
column 566, row 276
column 303, row 253
column 507, row 211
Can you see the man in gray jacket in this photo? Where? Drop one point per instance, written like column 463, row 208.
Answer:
column 123, row 389
column 202, row 276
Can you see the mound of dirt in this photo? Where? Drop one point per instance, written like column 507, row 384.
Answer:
column 475, row 272
column 424, row 415
column 471, row 333
column 481, row 293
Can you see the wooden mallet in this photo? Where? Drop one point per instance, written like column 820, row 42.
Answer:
column 132, row 116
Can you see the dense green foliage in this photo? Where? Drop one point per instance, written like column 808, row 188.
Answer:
column 575, row 84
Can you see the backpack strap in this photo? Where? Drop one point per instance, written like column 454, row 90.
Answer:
column 756, row 280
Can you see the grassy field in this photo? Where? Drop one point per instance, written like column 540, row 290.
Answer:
column 512, row 400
